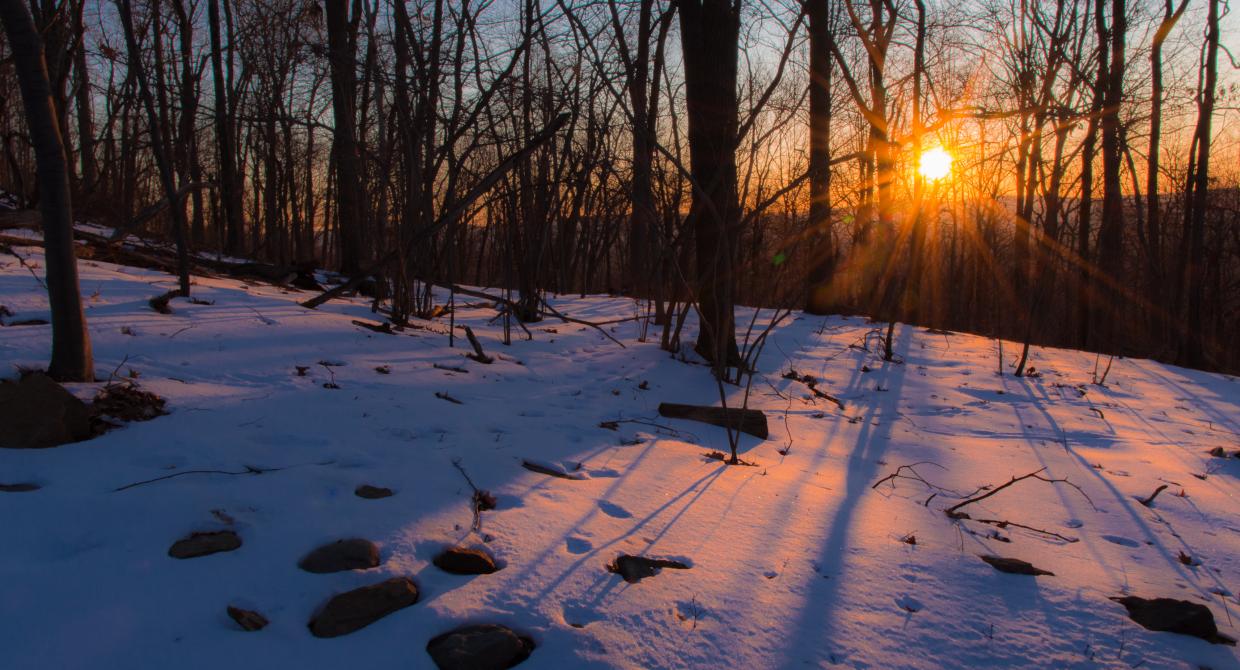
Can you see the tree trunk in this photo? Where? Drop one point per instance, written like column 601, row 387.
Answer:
column 342, row 52
column 710, row 31
column 1193, row 352
column 71, row 351
column 822, row 254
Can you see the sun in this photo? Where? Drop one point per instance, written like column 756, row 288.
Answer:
column 935, row 163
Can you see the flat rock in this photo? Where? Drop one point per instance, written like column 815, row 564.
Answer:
column 355, row 554
column 37, row 413
column 247, row 619
column 20, row 487
column 1015, row 566
column 1174, row 616
column 479, row 647
column 462, row 561
column 634, row 568
column 356, row 609
column 372, row 492
column 202, row 544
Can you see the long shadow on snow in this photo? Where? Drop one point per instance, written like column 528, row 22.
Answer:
column 820, row 607
column 1126, row 502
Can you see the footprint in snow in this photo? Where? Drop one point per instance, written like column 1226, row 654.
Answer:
column 909, row 604
column 613, row 510
column 1120, row 540
column 577, row 545
column 578, row 616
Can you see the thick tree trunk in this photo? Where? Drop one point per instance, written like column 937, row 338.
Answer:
column 342, row 52
column 71, row 351
column 1110, row 263
column 226, row 145
column 822, row 254
column 1193, row 351
column 710, row 31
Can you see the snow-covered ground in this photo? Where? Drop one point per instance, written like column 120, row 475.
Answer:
column 797, row 562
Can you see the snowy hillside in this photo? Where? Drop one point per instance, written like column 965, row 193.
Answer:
column 797, row 561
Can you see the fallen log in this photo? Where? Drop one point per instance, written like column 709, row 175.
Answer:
column 750, row 421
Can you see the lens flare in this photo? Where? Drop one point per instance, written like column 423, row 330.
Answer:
column 935, row 163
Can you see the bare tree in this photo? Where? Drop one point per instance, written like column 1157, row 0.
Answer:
column 71, row 352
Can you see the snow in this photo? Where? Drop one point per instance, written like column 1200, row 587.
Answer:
column 797, row 562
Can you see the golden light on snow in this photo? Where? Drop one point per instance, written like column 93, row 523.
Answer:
column 935, row 163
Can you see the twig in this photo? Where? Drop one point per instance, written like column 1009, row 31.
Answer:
column 445, row 396
column 953, row 513
column 249, row 470
column 1150, row 500
column 1001, row 523
column 481, row 500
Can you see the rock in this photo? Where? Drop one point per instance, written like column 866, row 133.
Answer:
column 372, row 492
column 202, row 544
column 36, row 413
column 1174, row 616
column 462, row 561
column 341, row 555
column 356, row 609
column 21, row 487
column 247, row 619
column 1015, row 566
column 479, row 647
column 634, row 568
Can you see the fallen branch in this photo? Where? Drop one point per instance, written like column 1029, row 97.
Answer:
column 479, row 355
column 556, row 313
column 249, row 470
column 749, row 421
column 445, row 396
column 1150, row 500
column 160, row 302
column 812, row 383
column 1001, row 523
column 385, row 328
column 898, row 474
column 954, row 512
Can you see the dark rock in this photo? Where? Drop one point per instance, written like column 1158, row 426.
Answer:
column 202, row 544
column 21, row 487
column 462, row 561
column 1174, row 616
column 1015, row 566
column 372, row 492
column 356, row 609
column 247, row 619
column 634, row 568
column 479, row 647
column 341, row 555
column 36, row 413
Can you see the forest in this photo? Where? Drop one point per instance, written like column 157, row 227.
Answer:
column 729, row 153
column 619, row 333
